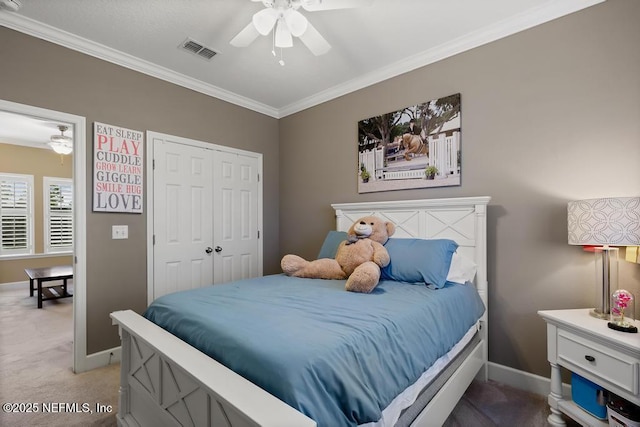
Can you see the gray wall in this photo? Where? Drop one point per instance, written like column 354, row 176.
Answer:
column 45, row 75
column 549, row 115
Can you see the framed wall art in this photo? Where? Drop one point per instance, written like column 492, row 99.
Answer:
column 415, row 147
column 117, row 169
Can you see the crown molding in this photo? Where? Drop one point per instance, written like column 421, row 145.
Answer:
column 546, row 12
column 54, row 35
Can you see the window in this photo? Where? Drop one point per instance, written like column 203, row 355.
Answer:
column 16, row 214
column 58, row 214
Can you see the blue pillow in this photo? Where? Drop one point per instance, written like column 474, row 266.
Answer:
column 331, row 243
column 419, row 260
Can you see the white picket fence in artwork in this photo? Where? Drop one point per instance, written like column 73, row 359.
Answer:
column 373, row 161
column 443, row 154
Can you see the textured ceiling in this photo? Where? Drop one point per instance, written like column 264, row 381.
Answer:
column 369, row 44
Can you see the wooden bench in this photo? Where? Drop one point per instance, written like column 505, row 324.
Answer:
column 49, row 274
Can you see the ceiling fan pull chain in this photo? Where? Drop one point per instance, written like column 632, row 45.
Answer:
column 273, row 43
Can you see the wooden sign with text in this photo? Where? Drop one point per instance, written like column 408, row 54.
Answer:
column 117, row 169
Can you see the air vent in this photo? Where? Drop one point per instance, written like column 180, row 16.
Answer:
column 196, row 48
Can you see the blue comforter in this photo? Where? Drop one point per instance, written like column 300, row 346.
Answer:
column 338, row 357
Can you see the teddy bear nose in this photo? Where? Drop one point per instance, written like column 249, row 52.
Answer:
column 363, row 223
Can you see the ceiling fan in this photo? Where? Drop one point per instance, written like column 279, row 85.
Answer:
column 61, row 144
column 284, row 16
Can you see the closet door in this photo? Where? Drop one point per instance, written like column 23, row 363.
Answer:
column 236, row 213
column 183, row 226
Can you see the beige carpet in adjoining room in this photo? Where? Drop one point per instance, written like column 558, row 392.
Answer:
column 35, row 367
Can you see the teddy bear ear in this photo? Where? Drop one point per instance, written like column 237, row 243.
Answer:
column 391, row 228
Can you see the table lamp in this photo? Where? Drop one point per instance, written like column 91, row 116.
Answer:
column 604, row 223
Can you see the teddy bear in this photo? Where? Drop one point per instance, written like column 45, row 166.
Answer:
column 358, row 259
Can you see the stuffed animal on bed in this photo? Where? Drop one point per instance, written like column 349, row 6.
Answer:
column 358, row 259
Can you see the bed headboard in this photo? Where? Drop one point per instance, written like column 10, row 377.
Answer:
column 462, row 219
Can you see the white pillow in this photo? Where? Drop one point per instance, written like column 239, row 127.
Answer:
column 461, row 270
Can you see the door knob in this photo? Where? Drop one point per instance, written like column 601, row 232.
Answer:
column 218, row 249
column 208, row 250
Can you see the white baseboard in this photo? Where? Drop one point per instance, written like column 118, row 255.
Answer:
column 101, row 359
column 523, row 380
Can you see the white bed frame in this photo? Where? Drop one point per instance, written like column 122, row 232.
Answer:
column 166, row 382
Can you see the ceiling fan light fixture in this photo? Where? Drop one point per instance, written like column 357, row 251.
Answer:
column 61, row 147
column 296, row 22
column 264, row 20
column 61, row 144
column 283, row 35
column 289, row 23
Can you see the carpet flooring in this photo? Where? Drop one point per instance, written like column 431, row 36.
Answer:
column 35, row 368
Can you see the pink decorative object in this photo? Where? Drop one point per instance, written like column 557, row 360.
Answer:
column 622, row 300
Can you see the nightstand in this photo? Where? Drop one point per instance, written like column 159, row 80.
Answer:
column 585, row 345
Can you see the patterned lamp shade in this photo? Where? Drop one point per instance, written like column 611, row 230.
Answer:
column 608, row 221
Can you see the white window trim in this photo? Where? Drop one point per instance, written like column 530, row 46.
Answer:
column 30, row 246
column 47, row 181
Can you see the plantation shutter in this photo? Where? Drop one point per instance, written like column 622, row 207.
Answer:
column 59, row 215
column 16, row 201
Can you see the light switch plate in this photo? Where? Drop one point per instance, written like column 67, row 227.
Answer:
column 119, row 231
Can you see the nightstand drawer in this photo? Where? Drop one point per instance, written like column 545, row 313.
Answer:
column 609, row 365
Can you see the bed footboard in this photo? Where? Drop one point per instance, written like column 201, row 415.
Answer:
column 166, row 382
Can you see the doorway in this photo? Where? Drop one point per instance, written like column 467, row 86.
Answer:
column 205, row 214
column 77, row 125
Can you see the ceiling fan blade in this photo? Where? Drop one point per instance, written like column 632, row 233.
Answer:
column 283, row 35
column 314, row 41
column 245, row 37
column 264, row 20
column 314, row 5
column 296, row 22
